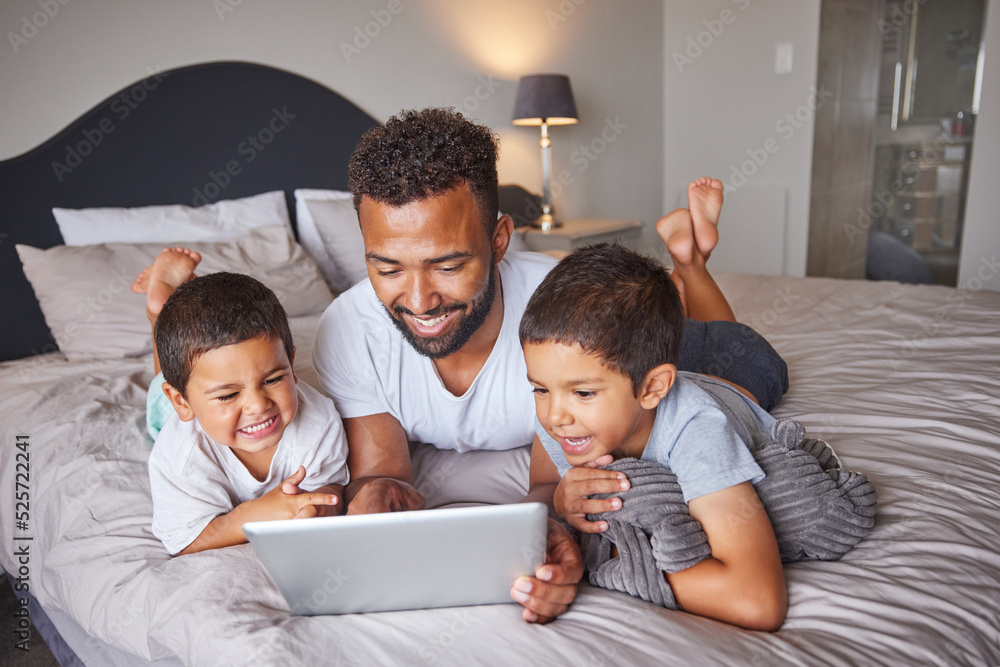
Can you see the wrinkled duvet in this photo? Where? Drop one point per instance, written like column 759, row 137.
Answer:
column 904, row 381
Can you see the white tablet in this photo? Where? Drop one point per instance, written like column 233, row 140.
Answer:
column 401, row 560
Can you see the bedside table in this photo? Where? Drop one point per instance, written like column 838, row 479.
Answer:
column 584, row 231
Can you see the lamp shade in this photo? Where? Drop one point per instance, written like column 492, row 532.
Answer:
column 544, row 98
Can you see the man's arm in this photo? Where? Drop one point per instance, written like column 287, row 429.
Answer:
column 379, row 460
column 742, row 582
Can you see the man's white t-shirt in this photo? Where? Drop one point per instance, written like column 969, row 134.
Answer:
column 366, row 365
column 194, row 479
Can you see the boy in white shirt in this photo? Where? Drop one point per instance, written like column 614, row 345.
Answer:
column 244, row 439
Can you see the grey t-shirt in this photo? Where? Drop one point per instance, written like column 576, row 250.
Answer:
column 702, row 432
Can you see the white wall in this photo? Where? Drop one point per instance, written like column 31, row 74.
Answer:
column 981, row 237
column 682, row 121
column 727, row 100
column 436, row 52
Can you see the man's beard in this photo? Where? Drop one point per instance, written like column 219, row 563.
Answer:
column 468, row 324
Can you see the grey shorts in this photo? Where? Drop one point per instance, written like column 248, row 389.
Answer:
column 735, row 352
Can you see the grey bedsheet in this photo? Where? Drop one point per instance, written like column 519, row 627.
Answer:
column 903, row 380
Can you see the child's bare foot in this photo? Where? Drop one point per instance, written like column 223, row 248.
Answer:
column 173, row 267
column 690, row 237
column 677, row 232
column 141, row 282
column 705, row 202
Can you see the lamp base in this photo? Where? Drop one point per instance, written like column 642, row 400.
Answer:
column 546, row 222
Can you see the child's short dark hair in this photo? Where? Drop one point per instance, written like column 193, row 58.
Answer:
column 613, row 302
column 210, row 312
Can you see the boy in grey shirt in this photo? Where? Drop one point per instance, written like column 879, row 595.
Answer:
column 601, row 338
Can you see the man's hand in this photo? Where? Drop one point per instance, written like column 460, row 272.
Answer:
column 571, row 499
column 549, row 593
column 384, row 494
column 379, row 461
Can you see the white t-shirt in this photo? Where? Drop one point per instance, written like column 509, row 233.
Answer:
column 194, row 479
column 368, row 368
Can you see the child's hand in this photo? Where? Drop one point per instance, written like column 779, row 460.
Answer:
column 607, row 459
column 291, row 485
column 571, row 499
column 288, row 501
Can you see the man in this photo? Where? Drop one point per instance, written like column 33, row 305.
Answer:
column 426, row 350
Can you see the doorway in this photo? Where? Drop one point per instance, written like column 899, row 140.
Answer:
column 891, row 155
column 929, row 80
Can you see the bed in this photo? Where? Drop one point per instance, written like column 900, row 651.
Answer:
column 903, row 380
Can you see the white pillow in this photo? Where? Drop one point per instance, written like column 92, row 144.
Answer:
column 337, row 226
column 172, row 224
column 309, row 236
column 84, row 291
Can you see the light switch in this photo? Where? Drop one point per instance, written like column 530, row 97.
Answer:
column 783, row 58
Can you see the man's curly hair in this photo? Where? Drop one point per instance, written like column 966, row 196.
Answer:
column 425, row 153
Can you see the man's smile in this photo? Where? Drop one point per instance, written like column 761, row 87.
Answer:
column 428, row 327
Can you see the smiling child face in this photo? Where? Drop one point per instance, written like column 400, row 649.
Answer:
column 590, row 409
column 243, row 395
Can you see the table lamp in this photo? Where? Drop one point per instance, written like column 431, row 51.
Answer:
column 545, row 99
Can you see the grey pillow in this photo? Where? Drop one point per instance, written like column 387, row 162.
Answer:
column 84, row 291
column 818, row 510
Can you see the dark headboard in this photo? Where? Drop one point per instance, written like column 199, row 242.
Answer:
column 168, row 139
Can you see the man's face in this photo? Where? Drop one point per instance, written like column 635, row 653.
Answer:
column 432, row 266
